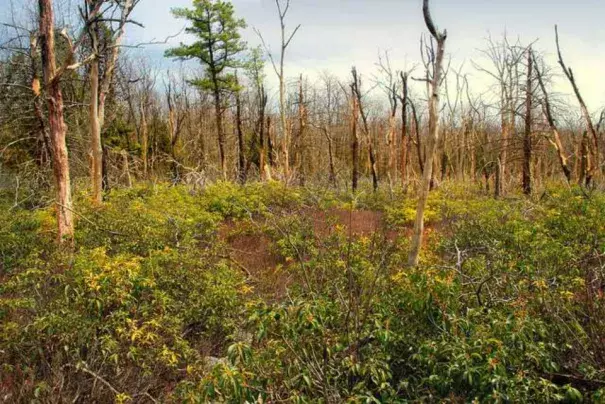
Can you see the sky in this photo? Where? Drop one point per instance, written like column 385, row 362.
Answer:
column 337, row 34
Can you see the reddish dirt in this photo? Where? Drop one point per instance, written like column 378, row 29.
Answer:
column 253, row 253
column 357, row 222
column 360, row 223
column 252, row 250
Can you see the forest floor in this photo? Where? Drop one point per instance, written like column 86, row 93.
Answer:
column 256, row 253
column 264, row 293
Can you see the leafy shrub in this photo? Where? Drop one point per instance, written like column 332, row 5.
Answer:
column 145, row 297
column 507, row 305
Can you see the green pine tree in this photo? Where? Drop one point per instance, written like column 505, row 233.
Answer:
column 219, row 43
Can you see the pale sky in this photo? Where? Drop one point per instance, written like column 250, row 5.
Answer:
column 337, row 34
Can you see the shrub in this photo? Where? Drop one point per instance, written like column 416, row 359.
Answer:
column 507, row 305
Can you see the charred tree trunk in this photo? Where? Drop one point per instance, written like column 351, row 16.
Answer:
column 241, row 164
column 527, row 139
column 366, row 129
column 354, row 139
column 332, row 175
column 445, row 162
column 372, row 155
column 220, row 130
column 265, row 170
column 405, row 140
column 300, row 141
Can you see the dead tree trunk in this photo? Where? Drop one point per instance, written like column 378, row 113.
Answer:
column 100, row 86
column 265, row 170
column 501, row 161
column 405, row 140
column 220, row 130
column 95, row 132
column 585, row 177
column 271, row 148
column 176, row 117
column 418, row 141
column 354, row 138
column 300, row 141
column 589, row 125
column 366, row 129
column 43, row 146
column 126, row 169
column 556, row 138
column 332, row 175
column 527, row 139
column 280, row 73
column 56, row 121
column 371, row 152
column 144, row 137
column 433, row 138
column 391, row 140
column 241, row 164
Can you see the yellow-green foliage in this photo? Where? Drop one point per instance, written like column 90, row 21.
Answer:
column 233, row 201
column 403, row 211
column 507, row 305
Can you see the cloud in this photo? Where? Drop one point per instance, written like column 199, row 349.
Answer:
column 337, row 34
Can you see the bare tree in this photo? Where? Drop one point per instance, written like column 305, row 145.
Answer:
column 254, row 71
column 286, row 39
column 556, row 136
column 405, row 138
column 145, row 100
column 176, row 99
column 56, row 119
column 327, row 116
column 356, row 87
column 300, row 149
column 106, row 34
column 527, row 139
column 390, row 85
column 592, row 132
column 417, row 141
column 506, row 59
column 327, row 119
column 433, row 138
column 454, row 128
column 354, row 131
column 241, row 151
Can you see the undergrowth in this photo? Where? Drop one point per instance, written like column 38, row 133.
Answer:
column 153, row 305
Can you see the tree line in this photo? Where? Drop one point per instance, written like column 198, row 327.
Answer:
column 75, row 105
